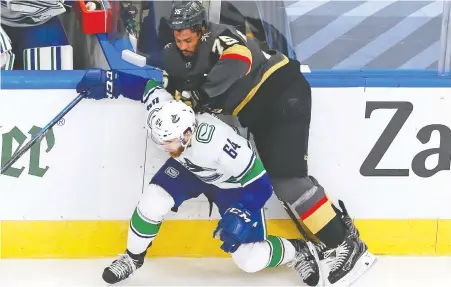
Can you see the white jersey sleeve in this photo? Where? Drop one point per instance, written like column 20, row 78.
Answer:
column 153, row 98
column 155, row 95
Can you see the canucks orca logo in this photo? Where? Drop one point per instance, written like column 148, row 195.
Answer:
column 175, row 118
column 195, row 168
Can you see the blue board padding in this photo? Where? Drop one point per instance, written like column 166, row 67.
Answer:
column 66, row 79
column 318, row 79
column 377, row 78
column 18, row 79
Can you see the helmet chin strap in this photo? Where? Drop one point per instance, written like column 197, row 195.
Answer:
column 187, row 142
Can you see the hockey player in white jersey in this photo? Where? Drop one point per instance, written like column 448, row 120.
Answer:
column 208, row 157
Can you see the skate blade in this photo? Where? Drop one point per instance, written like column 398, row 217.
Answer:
column 361, row 266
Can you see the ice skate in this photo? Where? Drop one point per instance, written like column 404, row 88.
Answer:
column 346, row 218
column 325, row 254
column 306, row 263
column 122, row 268
column 352, row 257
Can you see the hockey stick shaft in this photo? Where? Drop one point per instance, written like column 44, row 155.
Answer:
column 41, row 133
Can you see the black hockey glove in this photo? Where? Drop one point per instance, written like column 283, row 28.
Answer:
column 202, row 101
column 197, row 100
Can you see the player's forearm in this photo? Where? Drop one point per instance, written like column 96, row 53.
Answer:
column 128, row 85
column 149, row 92
column 154, row 95
column 111, row 84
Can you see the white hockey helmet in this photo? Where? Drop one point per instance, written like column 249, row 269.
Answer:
column 171, row 121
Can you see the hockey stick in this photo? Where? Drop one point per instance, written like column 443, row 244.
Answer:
column 42, row 132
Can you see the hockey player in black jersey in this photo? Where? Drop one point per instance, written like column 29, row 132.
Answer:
column 217, row 69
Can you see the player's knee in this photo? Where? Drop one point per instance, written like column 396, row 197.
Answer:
column 251, row 257
column 155, row 203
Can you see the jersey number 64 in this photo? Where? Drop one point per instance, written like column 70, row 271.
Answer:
column 231, row 148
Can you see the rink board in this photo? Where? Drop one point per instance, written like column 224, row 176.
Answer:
column 193, row 238
column 72, row 195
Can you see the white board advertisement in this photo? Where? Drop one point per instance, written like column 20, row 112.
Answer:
column 90, row 166
column 384, row 151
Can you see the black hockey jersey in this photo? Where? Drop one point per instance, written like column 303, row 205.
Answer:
column 227, row 67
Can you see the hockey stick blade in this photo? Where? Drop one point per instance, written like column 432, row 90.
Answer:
column 41, row 133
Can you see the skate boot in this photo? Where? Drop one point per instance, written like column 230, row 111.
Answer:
column 325, row 253
column 352, row 257
column 344, row 215
column 306, row 263
column 122, row 267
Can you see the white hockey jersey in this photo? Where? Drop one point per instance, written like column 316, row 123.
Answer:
column 217, row 154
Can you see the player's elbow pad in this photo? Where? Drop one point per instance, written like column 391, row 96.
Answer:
column 257, row 193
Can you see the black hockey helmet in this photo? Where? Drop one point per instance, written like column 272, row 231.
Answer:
column 187, row 14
